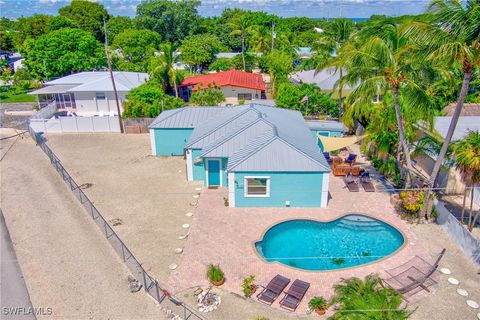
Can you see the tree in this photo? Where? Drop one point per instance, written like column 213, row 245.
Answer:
column 250, row 61
column 241, row 26
column 60, row 22
column 467, row 158
column 149, row 100
column 6, row 42
column 174, row 20
column 117, row 25
column 221, row 64
column 279, row 65
column 162, row 68
column 62, row 52
column 211, row 96
column 30, row 28
column 135, row 48
column 199, row 50
column 87, row 15
column 454, row 39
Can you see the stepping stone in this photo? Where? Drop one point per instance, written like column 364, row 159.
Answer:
column 185, row 226
column 198, row 188
column 173, row 266
column 478, row 315
column 189, row 214
column 196, row 196
column 472, row 304
column 182, row 237
column 462, row 292
column 453, row 281
column 178, row 250
column 445, row 271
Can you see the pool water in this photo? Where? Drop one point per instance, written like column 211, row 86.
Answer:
column 346, row 242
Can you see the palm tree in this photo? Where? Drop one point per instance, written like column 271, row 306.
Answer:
column 162, row 67
column 336, row 36
column 241, row 25
column 467, row 157
column 261, row 39
column 454, row 38
column 387, row 64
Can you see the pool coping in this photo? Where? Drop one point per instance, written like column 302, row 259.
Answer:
column 257, row 254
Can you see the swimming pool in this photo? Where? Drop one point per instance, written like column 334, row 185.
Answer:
column 349, row 241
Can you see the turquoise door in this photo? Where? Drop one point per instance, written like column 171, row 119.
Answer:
column 213, row 172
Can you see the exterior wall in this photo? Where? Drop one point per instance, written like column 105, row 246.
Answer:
column 171, row 142
column 198, row 168
column 88, row 105
column 301, row 189
column 232, row 92
column 326, row 133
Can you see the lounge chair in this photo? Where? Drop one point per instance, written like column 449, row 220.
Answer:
column 351, row 182
column 294, row 295
column 327, row 157
column 273, row 289
column 351, row 159
column 415, row 278
column 366, row 182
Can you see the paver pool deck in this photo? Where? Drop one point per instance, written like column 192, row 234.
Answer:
column 226, row 236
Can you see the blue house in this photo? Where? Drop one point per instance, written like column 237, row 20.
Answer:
column 265, row 156
column 327, row 129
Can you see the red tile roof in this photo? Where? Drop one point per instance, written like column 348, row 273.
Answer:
column 233, row 78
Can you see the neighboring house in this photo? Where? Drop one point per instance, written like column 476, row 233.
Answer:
column 468, row 121
column 235, row 85
column 324, row 79
column 231, row 55
column 265, row 156
column 14, row 60
column 89, row 93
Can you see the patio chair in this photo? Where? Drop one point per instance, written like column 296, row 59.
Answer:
column 366, row 182
column 294, row 295
column 273, row 289
column 352, row 157
column 327, row 157
column 351, row 182
column 415, row 278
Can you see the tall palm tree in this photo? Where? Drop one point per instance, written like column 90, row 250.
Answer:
column 454, row 39
column 261, row 39
column 467, row 158
column 241, row 26
column 336, row 36
column 386, row 64
column 162, row 67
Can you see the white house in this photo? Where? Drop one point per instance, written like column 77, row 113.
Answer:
column 89, row 93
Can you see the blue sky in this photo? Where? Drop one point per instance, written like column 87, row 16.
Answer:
column 285, row 8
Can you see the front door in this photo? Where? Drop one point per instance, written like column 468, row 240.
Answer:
column 213, row 172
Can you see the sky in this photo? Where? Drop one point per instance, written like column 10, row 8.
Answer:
column 284, row 8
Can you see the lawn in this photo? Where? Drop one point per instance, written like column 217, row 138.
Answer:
column 20, row 97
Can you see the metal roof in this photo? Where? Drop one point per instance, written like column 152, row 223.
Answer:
column 325, row 79
column 187, row 117
column 53, row 89
column 326, row 125
column 464, row 125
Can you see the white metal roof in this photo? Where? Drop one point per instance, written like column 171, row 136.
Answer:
column 464, row 126
column 325, row 79
column 326, row 125
column 60, row 88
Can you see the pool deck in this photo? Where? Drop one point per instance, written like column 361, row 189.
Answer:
column 226, row 236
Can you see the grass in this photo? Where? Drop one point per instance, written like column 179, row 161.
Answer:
column 20, row 97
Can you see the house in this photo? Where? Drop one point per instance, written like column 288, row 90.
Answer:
column 235, row 85
column 326, row 128
column 231, row 55
column 266, row 156
column 325, row 79
column 89, row 93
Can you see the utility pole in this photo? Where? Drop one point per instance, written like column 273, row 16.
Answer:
column 273, row 35
column 120, row 123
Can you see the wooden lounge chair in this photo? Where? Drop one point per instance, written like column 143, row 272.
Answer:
column 273, row 289
column 294, row 295
column 366, row 182
column 415, row 278
column 351, row 182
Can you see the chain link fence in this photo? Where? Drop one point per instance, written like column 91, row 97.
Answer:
column 176, row 309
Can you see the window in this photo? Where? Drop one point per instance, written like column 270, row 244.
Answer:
column 100, row 95
column 244, row 96
column 257, row 186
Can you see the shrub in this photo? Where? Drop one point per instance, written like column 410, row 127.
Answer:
column 247, row 286
column 214, row 273
column 210, row 96
column 412, row 201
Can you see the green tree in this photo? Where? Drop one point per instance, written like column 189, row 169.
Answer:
column 250, row 62
column 60, row 22
column 174, row 20
column 62, row 52
column 367, row 299
column 211, row 96
column 221, row 64
column 135, row 48
column 278, row 64
column 6, row 41
column 241, row 25
column 162, row 68
column 453, row 39
column 467, row 158
column 117, row 25
column 30, row 28
column 87, row 15
column 149, row 100
column 199, row 50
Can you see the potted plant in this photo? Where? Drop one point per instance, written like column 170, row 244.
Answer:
column 319, row 305
column 215, row 275
column 248, row 286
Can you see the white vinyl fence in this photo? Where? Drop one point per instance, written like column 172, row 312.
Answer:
column 76, row 124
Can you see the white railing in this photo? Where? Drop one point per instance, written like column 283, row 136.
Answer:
column 76, row 124
column 46, row 112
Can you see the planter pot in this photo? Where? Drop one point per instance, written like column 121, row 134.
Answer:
column 320, row 312
column 253, row 289
column 218, row 283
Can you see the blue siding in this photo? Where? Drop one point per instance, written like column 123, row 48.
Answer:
column 199, row 168
column 224, row 174
column 170, row 142
column 302, row 189
column 325, row 133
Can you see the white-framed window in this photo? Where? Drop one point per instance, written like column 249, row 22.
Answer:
column 100, row 95
column 257, row 186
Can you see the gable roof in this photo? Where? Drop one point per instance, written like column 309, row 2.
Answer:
column 186, row 117
column 325, row 79
column 232, row 77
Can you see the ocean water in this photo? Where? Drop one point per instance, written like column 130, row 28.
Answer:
column 310, row 245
